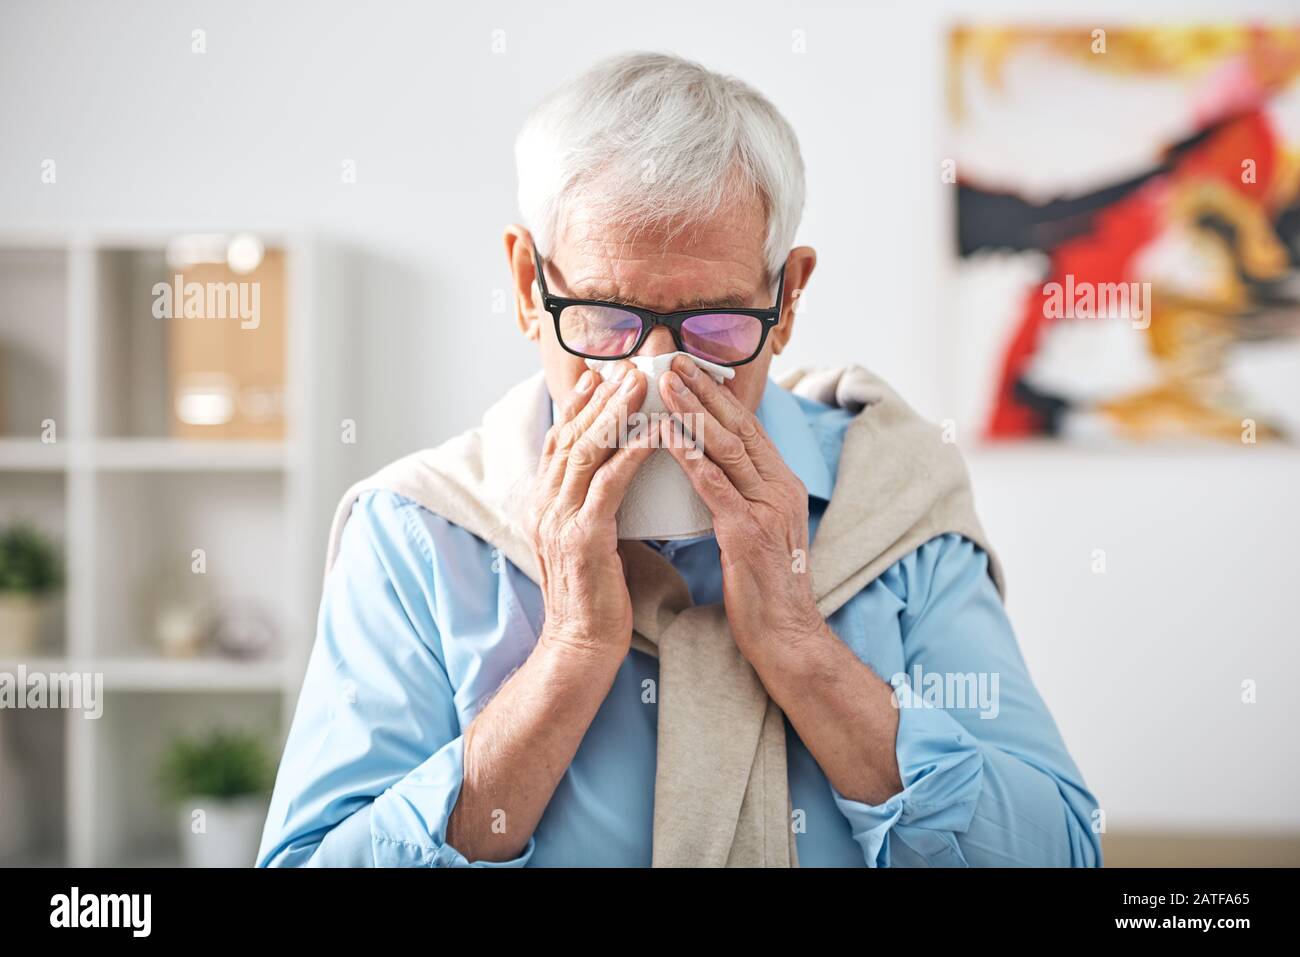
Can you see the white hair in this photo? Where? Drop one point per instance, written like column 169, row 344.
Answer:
column 653, row 139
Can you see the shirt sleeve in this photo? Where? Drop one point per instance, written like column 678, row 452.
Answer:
column 987, row 780
column 374, row 760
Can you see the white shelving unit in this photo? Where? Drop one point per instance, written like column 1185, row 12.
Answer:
column 127, row 504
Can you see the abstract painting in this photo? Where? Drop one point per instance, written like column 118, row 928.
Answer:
column 1127, row 231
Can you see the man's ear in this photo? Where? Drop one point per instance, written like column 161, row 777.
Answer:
column 523, row 278
column 799, row 266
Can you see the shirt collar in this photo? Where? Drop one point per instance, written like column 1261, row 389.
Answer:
column 787, row 425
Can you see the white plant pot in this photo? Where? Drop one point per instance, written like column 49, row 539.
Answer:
column 21, row 619
column 221, row 832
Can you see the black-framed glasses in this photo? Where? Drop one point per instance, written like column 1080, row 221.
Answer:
column 605, row 330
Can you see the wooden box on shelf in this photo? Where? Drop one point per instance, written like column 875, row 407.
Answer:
column 226, row 351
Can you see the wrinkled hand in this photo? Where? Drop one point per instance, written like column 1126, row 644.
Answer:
column 581, row 480
column 759, row 508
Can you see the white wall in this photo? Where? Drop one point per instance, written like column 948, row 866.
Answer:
column 1142, row 665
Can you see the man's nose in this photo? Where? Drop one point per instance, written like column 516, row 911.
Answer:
column 658, row 343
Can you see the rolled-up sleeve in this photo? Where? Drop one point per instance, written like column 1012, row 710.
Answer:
column 942, row 770
column 408, row 824
column 987, row 779
column 374, row 761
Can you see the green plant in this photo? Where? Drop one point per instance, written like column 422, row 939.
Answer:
column 29, row 561
column 220, row 764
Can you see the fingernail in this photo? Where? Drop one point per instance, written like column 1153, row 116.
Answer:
column 618, row 373
column 687, row 368
column 584, row 383
column 629, row 383
column 675, row 383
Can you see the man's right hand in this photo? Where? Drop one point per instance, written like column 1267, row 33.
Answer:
column 581, row 481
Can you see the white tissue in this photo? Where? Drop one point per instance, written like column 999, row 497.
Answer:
column 660, row 502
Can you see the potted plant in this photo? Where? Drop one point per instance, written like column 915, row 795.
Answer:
column 29, row 575
column 220, row 781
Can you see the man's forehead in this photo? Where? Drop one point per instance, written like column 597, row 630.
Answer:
column 657, row 278
column 718, row 262
column 663, row 292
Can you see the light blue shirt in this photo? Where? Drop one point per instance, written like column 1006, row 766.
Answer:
column 421, row 622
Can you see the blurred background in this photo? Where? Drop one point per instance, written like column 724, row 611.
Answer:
column 983, row 181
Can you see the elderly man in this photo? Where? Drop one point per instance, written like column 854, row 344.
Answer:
column 500, row 679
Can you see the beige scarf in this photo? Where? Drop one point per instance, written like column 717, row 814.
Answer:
column 721, row 787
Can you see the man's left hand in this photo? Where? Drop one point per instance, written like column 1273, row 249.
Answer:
column 759, row 507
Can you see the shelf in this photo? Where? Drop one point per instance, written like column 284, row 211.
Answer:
column 144, row 455
column 200, row 674
column 181, row 455
column 225, row 524
column 33, row 786
column 163, row 674
column 33, row 341
column 152, row 529
column 39, row 498
column 210, row 365
column 140, row 822
column 32, row 455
